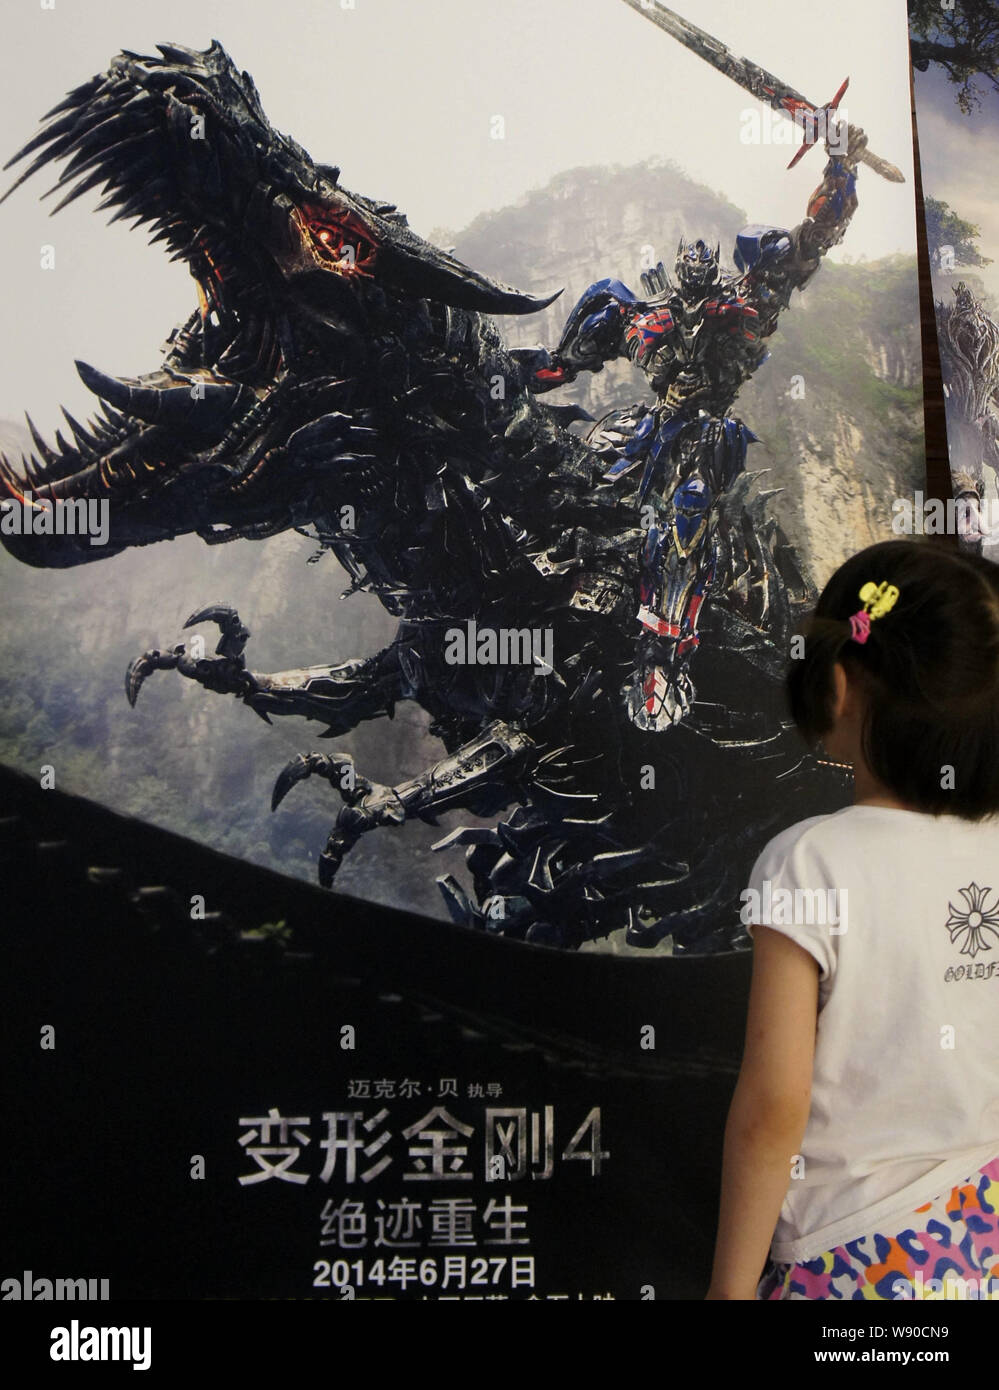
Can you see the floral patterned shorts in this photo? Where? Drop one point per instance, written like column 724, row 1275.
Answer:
column 948, row 1249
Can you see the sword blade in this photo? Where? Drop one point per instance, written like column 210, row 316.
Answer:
column 749, row 76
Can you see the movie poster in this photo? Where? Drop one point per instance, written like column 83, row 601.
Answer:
column 436, row 503
column 957, row 110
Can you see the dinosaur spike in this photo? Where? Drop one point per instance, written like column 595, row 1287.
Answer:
column 65, row 127
column 32, row 168
column 77, row 97
column 117, row 195
column 96, row 140
column 83, row 439
column 137, row 204
column 98, row 176
column 174, row 53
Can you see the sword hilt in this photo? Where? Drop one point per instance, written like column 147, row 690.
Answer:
column 818, row 118
column 882, row 166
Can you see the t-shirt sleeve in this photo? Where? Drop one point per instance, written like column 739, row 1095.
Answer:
column 793, row 890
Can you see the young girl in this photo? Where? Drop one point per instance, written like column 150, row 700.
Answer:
column 862, row 1144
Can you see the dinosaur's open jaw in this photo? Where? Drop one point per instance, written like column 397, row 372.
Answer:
column 177, row 424
column 291, row 270
column 165, row 423
column 163, row 451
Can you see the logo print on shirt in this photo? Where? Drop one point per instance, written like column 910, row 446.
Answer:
column 972, row 924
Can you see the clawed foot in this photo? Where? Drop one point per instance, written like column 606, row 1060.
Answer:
column 367, row 804
column 226, row 675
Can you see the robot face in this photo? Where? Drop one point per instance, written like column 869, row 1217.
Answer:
column 697, row 266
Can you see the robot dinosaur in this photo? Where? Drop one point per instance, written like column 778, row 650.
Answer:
column 340, row 377
column 969, row 355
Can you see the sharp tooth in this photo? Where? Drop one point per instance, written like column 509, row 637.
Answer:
column 30, row 469
column 13, row 484
column 43, row 449
column 65, row 449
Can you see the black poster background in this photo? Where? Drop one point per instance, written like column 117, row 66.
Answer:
column 167, row 1032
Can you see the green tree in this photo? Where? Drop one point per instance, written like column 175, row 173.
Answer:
column 963, row 39
column 945, row 228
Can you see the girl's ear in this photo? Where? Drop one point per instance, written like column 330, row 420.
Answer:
column 840, row 690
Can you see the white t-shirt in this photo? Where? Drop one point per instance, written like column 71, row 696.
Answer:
column 905, row 1091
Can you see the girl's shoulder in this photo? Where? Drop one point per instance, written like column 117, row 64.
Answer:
column 900, row 831
column 782, row 844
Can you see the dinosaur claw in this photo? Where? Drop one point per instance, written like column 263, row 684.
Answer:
column 234, row 635
column 336, row 768
column 295, row 771
column 143, row 665
column 137, row 672
column 221, row 613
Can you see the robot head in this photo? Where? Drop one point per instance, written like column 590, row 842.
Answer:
column 697, row 267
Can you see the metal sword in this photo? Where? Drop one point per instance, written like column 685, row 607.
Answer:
column 758, row 82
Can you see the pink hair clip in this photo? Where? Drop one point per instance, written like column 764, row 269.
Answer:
column 878, row 599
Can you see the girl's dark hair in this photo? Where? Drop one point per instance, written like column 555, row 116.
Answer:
column 929, row 672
